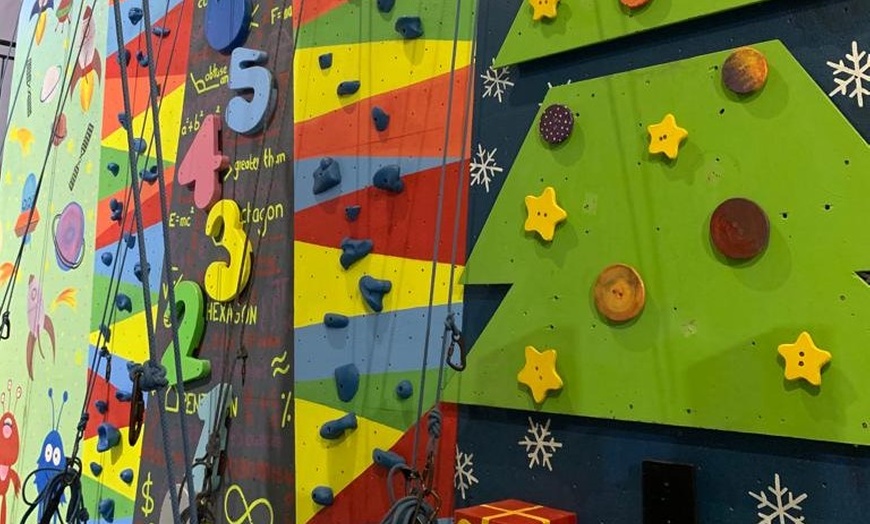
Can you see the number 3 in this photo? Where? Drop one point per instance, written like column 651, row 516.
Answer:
column 190, row 306
column 224, row 281
column 249, row 117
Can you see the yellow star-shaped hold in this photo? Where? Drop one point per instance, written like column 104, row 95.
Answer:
column 539, row 373
column 666, row 137
column 544, row 213
column 804, row 360
column 543, row 8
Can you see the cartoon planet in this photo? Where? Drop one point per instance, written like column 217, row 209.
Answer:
column 50, row 83
column 23, row 227
column 69, row 236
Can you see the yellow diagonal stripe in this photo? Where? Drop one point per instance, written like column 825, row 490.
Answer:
column 170, row 127
column 114, row 461
column 129, row 338
column 406, row 62
column 326, row 287
column 333, row 463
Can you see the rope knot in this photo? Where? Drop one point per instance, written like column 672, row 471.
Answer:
column 435, row 422
column 151, row 375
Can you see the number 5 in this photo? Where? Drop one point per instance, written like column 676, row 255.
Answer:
column 249, row 117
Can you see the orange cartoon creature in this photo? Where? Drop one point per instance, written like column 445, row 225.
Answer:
column 9, row 448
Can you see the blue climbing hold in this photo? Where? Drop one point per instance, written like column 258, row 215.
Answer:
column 385, row 6
column 352, row 213
column 127, row 476
column 404, row 389
column 389, row 179
column 108, row 437
column 142, row 58
column 409, row 27
column 124, row 57
column 148, row 175
column 130, row 240
column 114, row 204
column 326, row 176
column 124, row 120
column 322, row 495
column 347, row 381
column 102, row 406
column 159, row 31
column 348, row 87
column 123, row 396
column 353, row 250
column 227, row 24
column 325, row 60
column 117, row 208
column 105, row 332
column 334, row 429
column 373, row 291
column 334, row 320
column 107, row 509
column 140, row 145
column 113, row 168
column 387, row 459
column 135, row 14
column 137, row 271
column 96, row 469
column 106, row 258
column 381, row 118
column 123, row 303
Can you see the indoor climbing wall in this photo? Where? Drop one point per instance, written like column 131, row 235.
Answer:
column 377, row 101
column 667, row 272
column 58, row 78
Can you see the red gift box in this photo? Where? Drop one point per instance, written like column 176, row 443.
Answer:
column 513, row 512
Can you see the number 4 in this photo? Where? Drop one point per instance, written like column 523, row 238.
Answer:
column 203, row 163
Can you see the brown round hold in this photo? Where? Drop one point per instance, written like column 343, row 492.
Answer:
column 634, row 4
column 745, row 71
column 739, row 229
column 619, row 293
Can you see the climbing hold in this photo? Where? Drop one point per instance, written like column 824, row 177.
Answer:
column 387, row 459
column 142, row 58
column 539, row 373
column 117, row 208
column 325, row 60
column 334, row 320
column 352, row 213
column 619, row 293
column 381, row 118
column 137, row 271
column 96, row 469
column 123, row 303
column 544, row 8
column 544, row 213
column 107, row 509
column 556, row 124
column 160, row 32
column 102, row 406
column 124, row 57
column 228, row 24
column 388, row 178
column 326, row 176
column 130, row 240
column 106, row 258
column 745, row 71
column 373, row 291
column 105, row 332
column 127, row 476
column 135, row 14
column 347, row 381
column 739, row 229
column 804, row 360
column 140, row 145
column 113, row 168
column 404, row 389
column 409, row 27
column 123, row 396
column 353, row 250
column 335, row 428
column 149, row 175
column 322, row 495
column 634, row 4
column 666, row 137
column 108, row 437
column 385, row 6
column 348, row 87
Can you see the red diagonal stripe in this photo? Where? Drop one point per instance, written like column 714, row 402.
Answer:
column 118, row 413
column 108, row 231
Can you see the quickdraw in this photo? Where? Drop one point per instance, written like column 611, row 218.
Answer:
column 456, row 341
column 5, row 326
column 137, row 409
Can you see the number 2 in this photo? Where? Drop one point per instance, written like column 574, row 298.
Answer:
column 203, row 162
column 190, row 305
column 224, row 281
column 249, row 117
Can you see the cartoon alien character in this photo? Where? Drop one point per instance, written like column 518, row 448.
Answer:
column 37, row 321
column 62, row 11
column 9, row 448
column 87, row 67
column 52, row 459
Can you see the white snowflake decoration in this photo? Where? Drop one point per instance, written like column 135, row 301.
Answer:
column 855, row 74
column 776, row 510
column 540, row 448
column 496, row 80
column 463, row 475
column 551, row 86
column 483, row 167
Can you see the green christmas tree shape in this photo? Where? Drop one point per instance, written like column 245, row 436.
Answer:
column 703, row 352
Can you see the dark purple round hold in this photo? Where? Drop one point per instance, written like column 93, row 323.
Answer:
column 556, row 124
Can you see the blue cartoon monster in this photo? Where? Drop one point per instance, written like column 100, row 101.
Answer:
column 52, row 459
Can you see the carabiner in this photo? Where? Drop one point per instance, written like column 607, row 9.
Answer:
column 137, row 411
column 5, row 326
column 455, row 340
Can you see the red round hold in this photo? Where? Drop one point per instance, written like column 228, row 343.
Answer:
column 634, row 4
column 739, row 229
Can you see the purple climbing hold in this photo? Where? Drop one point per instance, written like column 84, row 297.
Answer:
column 106, row 258
column 322, row 495
column 160, row 32
column 102, row 406
column 347, row 381
column 404, row 389
column 353, row 250
column 352, row 213
column 113, row 168
column 135, row 14
column 348, row 87
column 385, row 6
column 123, row 303
column 142, row 58
column 556, row 124
column 335, row 320
column 334, row 429
column 380, row 118
column 389, row 179
column 409, row 27
column 326, row 176
column 325, row 60
column 373, row 291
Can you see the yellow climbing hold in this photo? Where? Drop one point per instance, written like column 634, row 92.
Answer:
column 544, row 213
column 539, row 373
column 666, row 137
column 804, row 360
column 543, row 8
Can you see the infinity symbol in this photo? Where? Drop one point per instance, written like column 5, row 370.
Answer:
column 249, row 508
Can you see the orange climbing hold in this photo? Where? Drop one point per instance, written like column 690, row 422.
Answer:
column 619, row 293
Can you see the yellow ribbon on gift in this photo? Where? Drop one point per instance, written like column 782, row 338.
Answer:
column 510, row 512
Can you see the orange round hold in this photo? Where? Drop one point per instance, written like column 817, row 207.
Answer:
column 619, row 293
column 634, row 4
column 745, row 71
